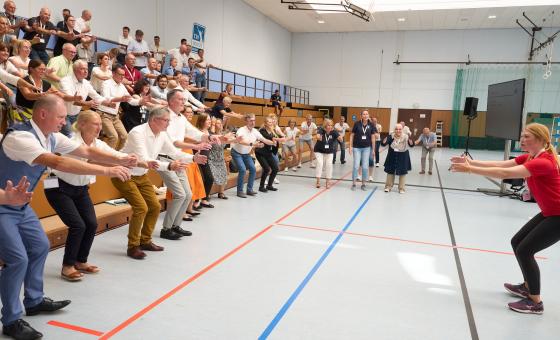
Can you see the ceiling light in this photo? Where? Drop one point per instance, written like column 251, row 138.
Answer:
column 401, row 19
column 491, row 17
column 320, row 21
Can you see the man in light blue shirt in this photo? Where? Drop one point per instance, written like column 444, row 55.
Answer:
column 428, row 141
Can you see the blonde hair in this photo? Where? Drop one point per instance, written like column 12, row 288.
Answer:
column 84, row 117
column 18, row 44
column 327, row 122
column 542, row 134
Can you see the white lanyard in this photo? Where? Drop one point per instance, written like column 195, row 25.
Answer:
column 366, row 128
column 327, row 138
column 40, row 87
column 130, row 73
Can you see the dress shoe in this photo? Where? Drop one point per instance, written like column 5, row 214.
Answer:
column 193, row 214
column 197, row 208
column 188, row 219
column 151, row 247
column 21, row 330
column 181, row 231
column 271, row 188
column 169, row 234
column 251, row 193
column 206, row 205
column 263, row 189
column 47, row 305
column 241, row 194
column 136, row 253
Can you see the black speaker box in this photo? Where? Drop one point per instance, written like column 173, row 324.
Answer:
column 471, row 104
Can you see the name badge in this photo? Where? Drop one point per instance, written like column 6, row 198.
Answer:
column 326, row 146
column 364, row 137
column 42, row 41
column 50, row 183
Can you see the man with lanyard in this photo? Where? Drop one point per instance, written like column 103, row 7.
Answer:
column 428, row 141
column 16, row 22
column 362, row 139
column 27, row 150
column 39, row 32
column 131, row 75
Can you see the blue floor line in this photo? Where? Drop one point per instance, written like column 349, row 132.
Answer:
column 302, row 285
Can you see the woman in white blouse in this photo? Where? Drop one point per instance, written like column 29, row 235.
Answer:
column 71, row 201
column 290, row 147
column 5, row 64
column 102, row 72
column 21, row 60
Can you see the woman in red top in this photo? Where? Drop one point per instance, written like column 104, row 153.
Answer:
column 540, row 167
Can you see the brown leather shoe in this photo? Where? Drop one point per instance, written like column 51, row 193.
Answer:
column 135, row 253
column 151, row 247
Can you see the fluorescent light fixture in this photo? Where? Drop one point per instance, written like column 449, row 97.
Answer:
column 491, row 17
column 419, row 5
column 401, row 19
column 320, row 21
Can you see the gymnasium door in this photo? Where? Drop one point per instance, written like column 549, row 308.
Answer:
column 416, row 120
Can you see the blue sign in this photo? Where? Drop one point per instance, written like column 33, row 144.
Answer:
column 198, row 36
column 354, row 118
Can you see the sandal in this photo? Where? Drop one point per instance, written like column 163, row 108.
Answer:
column 222, row 196
column 89, row 269
column 72, row 277
column 193, row 214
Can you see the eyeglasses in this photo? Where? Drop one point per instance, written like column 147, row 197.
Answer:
column 71, row 52
column 167, row 120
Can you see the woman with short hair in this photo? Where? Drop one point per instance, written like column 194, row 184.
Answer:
column 101, row 73
column 324, row 149
column 397, row 162
column 289, row 147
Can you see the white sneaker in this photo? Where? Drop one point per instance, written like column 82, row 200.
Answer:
column 299, row 165
column 370, row 179
column 401, row 191
column 286, row 169
column 276, row 181
column 294, row 169
column 386, row 190
column 377, row 165
column 312, row 165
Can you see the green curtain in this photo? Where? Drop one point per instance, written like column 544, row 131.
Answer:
column 541, row 95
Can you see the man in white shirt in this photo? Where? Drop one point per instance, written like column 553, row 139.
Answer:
column 177, row 182
column 27, row 151
column 190, row 100
column 308, row 130
column 149, row 140
column 124, row 39
column 201, row 65
column 180, row 53
column 158, row 52
column 341, row 128
column 377, row 141
column 247, row 138
column 78, row 86
column 114, row 90
column 83, row 23
column 150, row 73
column 406, row 129
column 139, row 47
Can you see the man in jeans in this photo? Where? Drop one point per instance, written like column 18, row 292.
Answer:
column 341, row 128
column 247, row 138
column 428, row 141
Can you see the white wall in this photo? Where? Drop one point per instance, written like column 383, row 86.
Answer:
column 348, row 70
column 239, row 38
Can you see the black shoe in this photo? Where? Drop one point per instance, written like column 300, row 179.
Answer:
column 47, row 305
column 193, row 214
column 333, row 161
column 262, row 189
column 197, row 208
column 206, row 205
column 181, row 231
column 188, row 219
column 169, row 234
column 271, row 188
column 342, row 162
column 21, row 330
column 251, row 193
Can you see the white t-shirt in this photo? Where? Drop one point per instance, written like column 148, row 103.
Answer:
column 179, row 128
column 21, row 61
column 96, row 82
column 344, row 127
column 135, row 46
column 406, row 130
column 248, row 136
column 311, row 129
column 81, row 25
column 24, row 146
column 291, row 136
column 124, row 41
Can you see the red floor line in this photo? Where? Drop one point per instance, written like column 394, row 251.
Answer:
column 311, row 198
column 402, row 240
column 74, row 328
column 154, row 304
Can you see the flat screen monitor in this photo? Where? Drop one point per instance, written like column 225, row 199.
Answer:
column 504, row 112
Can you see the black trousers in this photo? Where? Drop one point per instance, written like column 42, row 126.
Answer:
column 538, row 234
column 342, row 145
column 75, row 208
column 377, row 145
column 269, row 168
column 207, row 178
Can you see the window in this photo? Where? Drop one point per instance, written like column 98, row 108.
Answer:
column 239, row 90
column 249, row 92
column 239, row 80
column 215, row 74
column 250, row 82
column 268, row 86
column 260, row 85
column 228, row 77
column 259, row 93
column 214, row 86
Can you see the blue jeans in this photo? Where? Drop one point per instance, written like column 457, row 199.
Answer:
column 41, row 55
column 200, row 81
column 67, row 128
column 360, row 155
column 23, row 248
column 244, row 162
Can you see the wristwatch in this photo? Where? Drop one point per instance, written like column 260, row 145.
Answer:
column 250, row 144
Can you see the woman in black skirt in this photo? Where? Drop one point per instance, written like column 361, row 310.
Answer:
column 397, row 162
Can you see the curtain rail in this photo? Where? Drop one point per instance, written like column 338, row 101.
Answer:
column 477, row 62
